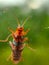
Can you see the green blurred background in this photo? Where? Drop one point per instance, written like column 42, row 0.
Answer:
column 38, row 35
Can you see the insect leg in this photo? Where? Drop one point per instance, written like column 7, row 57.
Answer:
column 6, row 39
column 30, row 48
column 10, row 57
column 10, row 30
column 25, row 39
column 11, row 44
column 27, row 31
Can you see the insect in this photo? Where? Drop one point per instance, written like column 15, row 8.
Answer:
column 17, row 45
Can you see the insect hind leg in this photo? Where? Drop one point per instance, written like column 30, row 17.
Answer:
column 10, row 57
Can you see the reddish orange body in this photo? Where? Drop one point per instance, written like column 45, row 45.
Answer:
column 18, row 43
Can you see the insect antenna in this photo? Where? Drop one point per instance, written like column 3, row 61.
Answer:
column 18, row 22
column 25, row 21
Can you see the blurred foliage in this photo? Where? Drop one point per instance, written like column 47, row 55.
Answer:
column 38, row 35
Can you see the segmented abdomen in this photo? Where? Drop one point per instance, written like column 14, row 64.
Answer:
column 17, row 52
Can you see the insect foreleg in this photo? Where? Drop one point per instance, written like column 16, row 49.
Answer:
column 27, row 31
column 10, row 30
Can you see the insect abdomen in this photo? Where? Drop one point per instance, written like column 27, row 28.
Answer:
column 16, row 55
column 17, row 52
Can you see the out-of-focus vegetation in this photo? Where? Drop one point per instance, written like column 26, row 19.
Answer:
column 38, row 35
